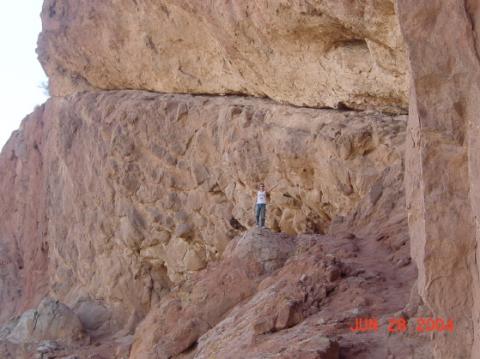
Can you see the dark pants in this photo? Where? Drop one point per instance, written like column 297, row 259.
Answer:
column 260, row 214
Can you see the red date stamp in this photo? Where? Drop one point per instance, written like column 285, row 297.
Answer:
column 434, row 325
column 400, row 325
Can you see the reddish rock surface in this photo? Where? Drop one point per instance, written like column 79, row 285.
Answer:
column 302, row 308
column 442, row 168
column 23, row 225
column 335, row 53
column 160, row 184
column 133, row 208
column 125, row 220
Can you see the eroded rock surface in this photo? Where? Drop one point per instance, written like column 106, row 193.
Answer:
column 166, row 181
column 442, row 169
column 143, row 190
column 303, row 309
column 308, row 53
column 138, row 202
column 23, row 224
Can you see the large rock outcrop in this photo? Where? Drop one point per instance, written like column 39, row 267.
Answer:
column 23, row 224
column 442, row 175
column 287, row 297
column 135, row 200
column 143, row 189
column 308, row 53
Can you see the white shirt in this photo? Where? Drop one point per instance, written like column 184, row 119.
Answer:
column 261, row 197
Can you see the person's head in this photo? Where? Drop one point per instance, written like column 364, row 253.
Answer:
column 261, row 187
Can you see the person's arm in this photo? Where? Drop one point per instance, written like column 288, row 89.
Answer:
column 270, row 190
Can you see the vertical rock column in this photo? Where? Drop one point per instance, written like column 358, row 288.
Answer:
column 23, row 222
column 442, row 165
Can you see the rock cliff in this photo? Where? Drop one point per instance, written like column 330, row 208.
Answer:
column 128, row 197
column 160, row 184
column 443, row 134
column 146, row 196
column 308, row 53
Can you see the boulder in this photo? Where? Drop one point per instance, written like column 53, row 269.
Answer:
column 51, row 321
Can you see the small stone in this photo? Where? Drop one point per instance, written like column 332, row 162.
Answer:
column 333, row 273
column 184, row 230
column 403, row 262
column 264, row 325
column 48, row 346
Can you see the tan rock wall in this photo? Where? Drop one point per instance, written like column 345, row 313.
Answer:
column 314, row 53
column 23, row 243
column 442, row 178
column 142, row 189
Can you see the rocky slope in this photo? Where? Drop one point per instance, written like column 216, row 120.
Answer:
column 132, row 209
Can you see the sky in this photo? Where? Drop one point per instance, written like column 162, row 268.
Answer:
column 21, row 75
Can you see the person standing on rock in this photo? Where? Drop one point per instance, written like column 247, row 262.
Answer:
column 261, row 206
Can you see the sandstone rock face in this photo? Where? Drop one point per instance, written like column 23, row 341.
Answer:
column 236, row 309
column 167, row 181
column 442, row 164
column 314, row 53
column 23, row 225
column 210, row 295
column 140, row 203
column 142, row 190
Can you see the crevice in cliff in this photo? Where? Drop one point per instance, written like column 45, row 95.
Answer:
column 471, row 22
column 340, row 106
